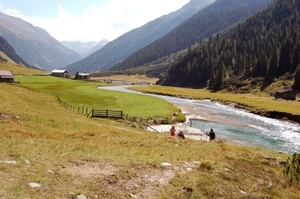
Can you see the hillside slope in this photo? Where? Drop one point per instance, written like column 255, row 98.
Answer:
column 119, row 49
column 218, row 16
column 35, row 45
column 8, row 54
column 265, row 47
column 72, row 156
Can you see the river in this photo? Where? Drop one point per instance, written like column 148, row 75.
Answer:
column 235, row 125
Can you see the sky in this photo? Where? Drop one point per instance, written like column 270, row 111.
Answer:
column 89, row 20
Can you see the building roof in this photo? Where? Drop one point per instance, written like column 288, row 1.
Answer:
column 58, row 71
column 84, row 74
column 6, row 74
column 284, row 90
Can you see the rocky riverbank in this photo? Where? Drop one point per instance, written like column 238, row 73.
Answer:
column 270, row 114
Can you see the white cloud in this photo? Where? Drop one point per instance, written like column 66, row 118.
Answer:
column 108, row 21
column 13, row 12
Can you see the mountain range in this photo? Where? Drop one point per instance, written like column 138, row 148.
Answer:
column 221, row 15
column 35, row 45
column 84, row 49
column 122, row 47
column 216, row 44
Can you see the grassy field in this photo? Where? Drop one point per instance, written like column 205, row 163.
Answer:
column 86, row 94
column 256, row 102
column 69, row 154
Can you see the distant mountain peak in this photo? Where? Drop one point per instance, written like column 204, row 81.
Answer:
column 85, row 48
column 35, row 45
column 122, row 47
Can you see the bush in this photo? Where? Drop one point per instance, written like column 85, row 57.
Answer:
column 292, row 169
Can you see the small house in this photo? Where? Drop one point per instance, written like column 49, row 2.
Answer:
column 6, row 76
column 287, row 94
column 84, row 76
column 60, row 73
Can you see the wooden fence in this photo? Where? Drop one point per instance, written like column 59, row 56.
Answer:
column 106, row 113
column 113, row 114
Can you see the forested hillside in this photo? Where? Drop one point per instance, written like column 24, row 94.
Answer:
column 214, row 18
column 7, row 49
column 266, row 46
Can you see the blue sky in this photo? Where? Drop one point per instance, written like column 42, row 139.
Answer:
column 88, row 20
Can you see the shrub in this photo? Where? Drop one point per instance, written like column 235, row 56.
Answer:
column 292, row 169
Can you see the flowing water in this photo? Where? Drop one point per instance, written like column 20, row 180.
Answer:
column 235, row 125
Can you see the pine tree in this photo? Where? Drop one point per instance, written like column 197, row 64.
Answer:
column 296, row 85
column 274, row 64
column 262, row 65
column 211, row 81
column 220, row 76
column 239, row 64
column 77, row 75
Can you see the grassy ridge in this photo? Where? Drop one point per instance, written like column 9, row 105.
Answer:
column 20, row 70
column 69, row 154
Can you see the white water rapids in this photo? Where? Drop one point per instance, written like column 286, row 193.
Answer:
column 235, row 125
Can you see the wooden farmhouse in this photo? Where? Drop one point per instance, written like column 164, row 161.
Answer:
column 287, row 94
column 84, row 76
column 60, row 73
column 6, row 76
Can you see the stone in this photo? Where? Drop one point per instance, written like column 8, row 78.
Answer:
column 34, row 185
column 81, row 196
column 166, row 164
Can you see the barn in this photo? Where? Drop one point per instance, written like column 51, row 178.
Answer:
column 60, row 73
column 84, row 76
column 6, row 76
column 287, row 94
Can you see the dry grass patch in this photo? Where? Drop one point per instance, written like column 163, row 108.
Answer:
column 128, row 78
column 20, row 70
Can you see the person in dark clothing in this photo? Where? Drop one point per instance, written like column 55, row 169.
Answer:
column 211, row 135
column 181, row 135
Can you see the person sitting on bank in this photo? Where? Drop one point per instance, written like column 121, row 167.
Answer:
column 181, row 135
column 173, row 130
column 211, row 135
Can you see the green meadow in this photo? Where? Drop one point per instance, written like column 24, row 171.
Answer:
column 87, row 94
column 68, row 154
